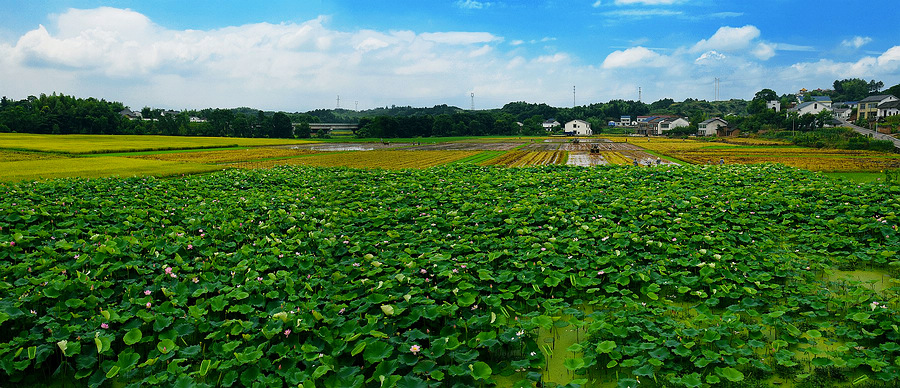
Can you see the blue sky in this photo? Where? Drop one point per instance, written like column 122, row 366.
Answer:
column 300, row 55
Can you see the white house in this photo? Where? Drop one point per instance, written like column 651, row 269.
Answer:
column 889, row 108
column 842, row 113
column 550, row 124
column 711, row 126
column 578, row 128
column 811, row 107
column 669, row 124
column 868, row 107
column 624, row 121
column 774, row 104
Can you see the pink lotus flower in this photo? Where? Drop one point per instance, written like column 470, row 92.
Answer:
column 287, row 332
column 415, row 349
column 104, row 325
column 148, row 305
column 190, row 246
column 147, row 292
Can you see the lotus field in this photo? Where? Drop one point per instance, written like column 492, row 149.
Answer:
column 461, row 275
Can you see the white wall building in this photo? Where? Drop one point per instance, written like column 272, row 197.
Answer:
column 579, row 128
column 669, row 124
column 711, row 126
column 811, row 107
column 889, row 108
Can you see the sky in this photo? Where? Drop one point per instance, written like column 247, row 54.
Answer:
column 300, row 55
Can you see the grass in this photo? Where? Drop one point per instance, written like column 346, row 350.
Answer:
column 95, row 167
column 99, row 144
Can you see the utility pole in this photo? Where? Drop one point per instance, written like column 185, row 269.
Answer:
column 717, row 88
column 573, row 96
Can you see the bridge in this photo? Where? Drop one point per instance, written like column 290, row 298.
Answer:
column 328, row 127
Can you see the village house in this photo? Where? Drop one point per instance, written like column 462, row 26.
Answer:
column 890, row 108
column 842, row 113
column 624, row 121
column 578, row 128
column 774, row 104
column 129, row 114
column 550, row 124
column 711, row 127
column 868, row 107
column 811, row 107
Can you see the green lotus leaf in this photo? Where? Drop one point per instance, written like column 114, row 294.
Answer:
column 730, row 373
column 574, row 364
column 692, row 380
column 165, row 346
column 480, row 370
column 377, row 351
column 132, row 336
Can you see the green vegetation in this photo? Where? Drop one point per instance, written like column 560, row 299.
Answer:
column 461, row 275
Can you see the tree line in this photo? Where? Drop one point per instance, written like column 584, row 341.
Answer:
column 61, row 114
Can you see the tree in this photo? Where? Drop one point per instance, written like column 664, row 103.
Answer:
column 281, row 126
column 893, row 90
column 765, row 95
column 824, row 117
column 874, row 86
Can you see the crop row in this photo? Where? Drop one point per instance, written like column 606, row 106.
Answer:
column 615, row 158
column 385, row 159
column 448, row 277
column 228, row 156
column 529, row 158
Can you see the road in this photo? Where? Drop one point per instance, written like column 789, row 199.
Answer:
column 871, row 133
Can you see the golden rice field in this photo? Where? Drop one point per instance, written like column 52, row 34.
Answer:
column 229, row 156
column 827, row 160
column 613, row 157
column 385, row 159
column 105, row 166
column 17, row 156
column 528, row 158
column 98, row 144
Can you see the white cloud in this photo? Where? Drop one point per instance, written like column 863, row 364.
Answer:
column 472, row 4
column 709, row 57
column 856, row 42
column 597, row 3
column 460, row 37
column 890, row 60
column 640, row 13
column 633, row 57
column 764, row 51
column 302, row 66
column 728, row 39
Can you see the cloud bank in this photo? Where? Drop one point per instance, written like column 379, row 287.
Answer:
column 122, row 55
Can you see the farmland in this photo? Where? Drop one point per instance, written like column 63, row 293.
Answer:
column 98, row 144
column 690, row 275
column 751, row 151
